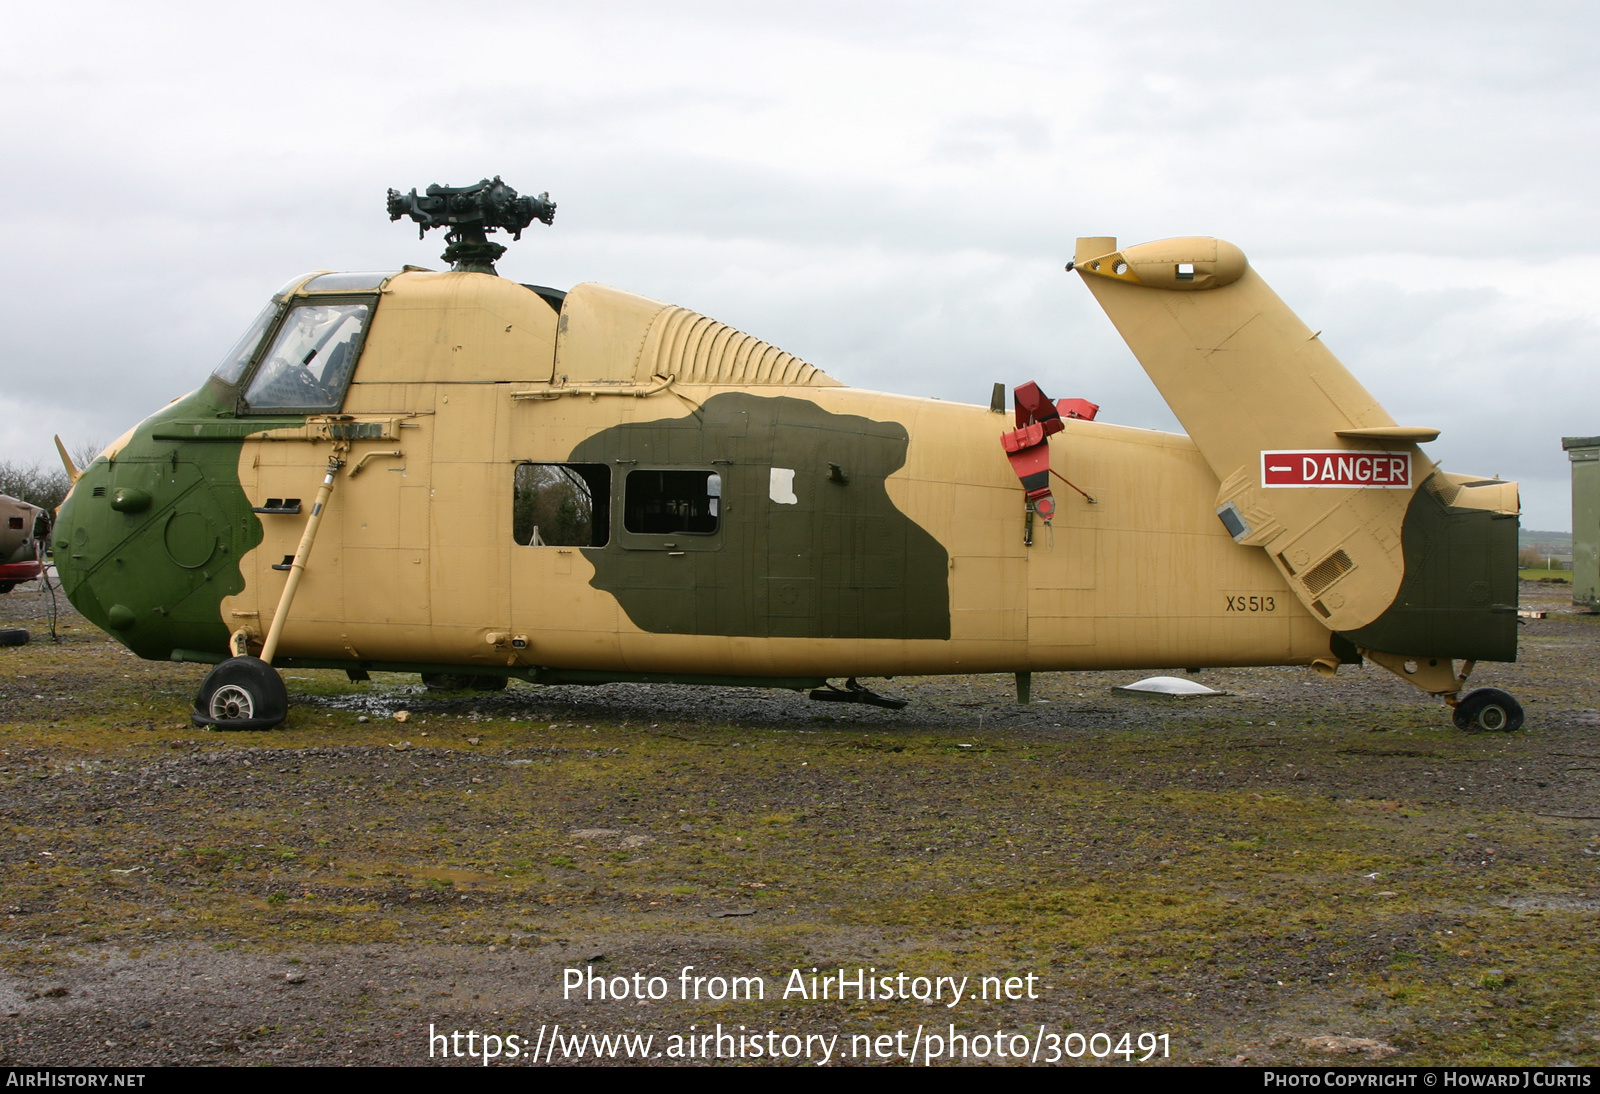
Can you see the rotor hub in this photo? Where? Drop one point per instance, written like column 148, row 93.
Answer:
column 468, row 214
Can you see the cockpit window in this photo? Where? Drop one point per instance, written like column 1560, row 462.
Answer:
column 347, row 282
column 238, row 358
column 293, row 283
column 311, row 360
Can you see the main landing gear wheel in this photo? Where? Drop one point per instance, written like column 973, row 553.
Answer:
column 241, row 693
column 1489, row 710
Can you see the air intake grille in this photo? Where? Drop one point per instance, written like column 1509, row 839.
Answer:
column 697, row 350
column 1328, row 571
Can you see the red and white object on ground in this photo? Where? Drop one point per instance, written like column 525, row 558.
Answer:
column 1339, row 468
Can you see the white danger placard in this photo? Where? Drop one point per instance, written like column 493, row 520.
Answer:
column 1337, row 468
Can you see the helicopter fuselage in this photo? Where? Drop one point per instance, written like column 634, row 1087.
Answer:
column 596, row 486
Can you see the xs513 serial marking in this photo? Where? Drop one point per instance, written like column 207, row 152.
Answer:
column 1251, row 604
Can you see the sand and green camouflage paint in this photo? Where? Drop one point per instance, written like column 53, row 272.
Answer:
column 1459, row 594
column 840, row 562
column 154, row 575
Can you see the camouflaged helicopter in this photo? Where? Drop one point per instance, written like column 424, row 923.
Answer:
column 456, row 475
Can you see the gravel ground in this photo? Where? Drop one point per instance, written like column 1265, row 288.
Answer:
column 1298, row 871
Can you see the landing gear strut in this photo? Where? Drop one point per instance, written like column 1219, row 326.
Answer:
column 853, row 692
column 1482, row 709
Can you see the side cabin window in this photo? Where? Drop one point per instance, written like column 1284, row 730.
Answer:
column 672, row 502
column 562, row 505
column 311, row 359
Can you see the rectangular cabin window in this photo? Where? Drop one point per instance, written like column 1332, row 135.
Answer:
column 562, row 505
column 672, row 502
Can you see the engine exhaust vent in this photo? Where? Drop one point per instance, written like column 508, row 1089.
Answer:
column 1329, row 570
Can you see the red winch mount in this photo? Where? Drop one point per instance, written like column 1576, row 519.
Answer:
column 1028, row 446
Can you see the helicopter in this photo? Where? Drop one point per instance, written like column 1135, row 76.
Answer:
column 22, row 540
column 460, row 476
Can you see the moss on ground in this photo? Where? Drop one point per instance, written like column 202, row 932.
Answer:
column 1246, row 875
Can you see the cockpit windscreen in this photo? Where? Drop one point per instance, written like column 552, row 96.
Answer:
column 238, row 358
column 311, row 360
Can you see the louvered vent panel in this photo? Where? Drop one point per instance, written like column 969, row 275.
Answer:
column 698, row 350
column 1328, row 571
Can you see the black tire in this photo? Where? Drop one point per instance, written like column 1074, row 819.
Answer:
column 13, row 636
column 7, row 586
column 1488, row 710
column 241, row 693
column 462, row 681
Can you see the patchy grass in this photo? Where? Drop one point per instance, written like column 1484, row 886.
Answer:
column 1298, row 861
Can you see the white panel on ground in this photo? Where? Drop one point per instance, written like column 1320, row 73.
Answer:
column 1167, row 685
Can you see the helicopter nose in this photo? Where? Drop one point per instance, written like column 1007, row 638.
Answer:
column 141, row 551
column 71, row 537
column 74, row 545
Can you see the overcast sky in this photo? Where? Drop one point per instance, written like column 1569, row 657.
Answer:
column 887, row 190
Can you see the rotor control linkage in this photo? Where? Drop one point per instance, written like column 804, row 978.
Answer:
column 853, row 692
column 468, row 214
column 1028, row 448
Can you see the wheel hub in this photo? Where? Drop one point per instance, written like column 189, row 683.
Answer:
column 232, row 702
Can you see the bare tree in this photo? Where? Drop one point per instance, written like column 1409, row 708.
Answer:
column 44, row 482
column 84, row 452
column 32, row 483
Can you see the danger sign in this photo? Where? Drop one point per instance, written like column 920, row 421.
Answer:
column 1374, row 470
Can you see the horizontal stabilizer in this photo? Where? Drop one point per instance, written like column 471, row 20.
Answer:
column 1416, row 434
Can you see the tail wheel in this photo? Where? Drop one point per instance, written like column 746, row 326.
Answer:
column 241, row 693
column 1488, row 710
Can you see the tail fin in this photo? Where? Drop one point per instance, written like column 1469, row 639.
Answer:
column 1312, row 469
